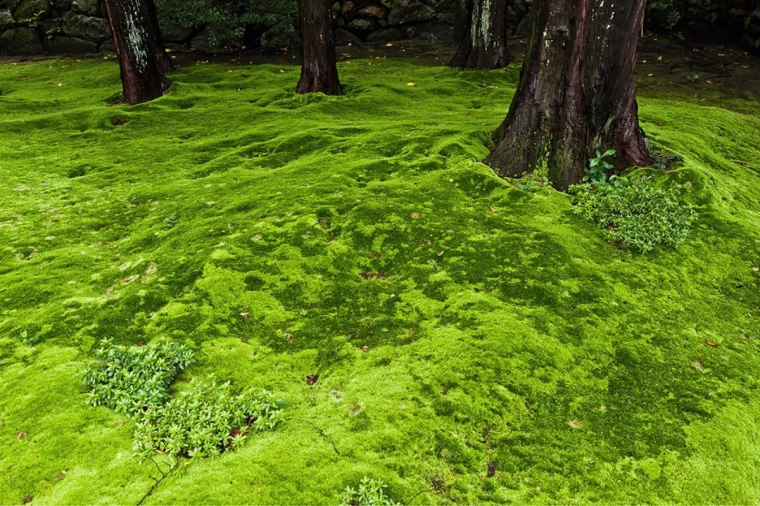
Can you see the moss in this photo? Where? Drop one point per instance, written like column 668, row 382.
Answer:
column 498, row 326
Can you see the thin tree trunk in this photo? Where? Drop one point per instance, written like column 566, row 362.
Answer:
column 134, row 38
column 576, row 92
column 319, row 71
column 484, row 39
column 163, row 59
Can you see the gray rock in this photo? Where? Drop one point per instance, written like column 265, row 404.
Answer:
column 446, row 18
column 91, row 7
column 344, row 37
column 409, row 11
column 362, row 25
column 70, row 45
column 20, row 41
column 31, row 8
column 374, row 11
column 6, row 18
column 86, row 27
column 386, row 35
column 107, row 47
column 436, row 31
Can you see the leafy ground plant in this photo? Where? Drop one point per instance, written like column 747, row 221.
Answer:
column 205, row 421
column 636, row 212
column 370, row 492
column 131, row 380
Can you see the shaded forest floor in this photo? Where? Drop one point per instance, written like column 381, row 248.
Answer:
column 453, row 319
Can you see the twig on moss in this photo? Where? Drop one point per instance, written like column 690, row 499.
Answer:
column 321, row 433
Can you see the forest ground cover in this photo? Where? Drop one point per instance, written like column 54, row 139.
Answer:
column 455, row 322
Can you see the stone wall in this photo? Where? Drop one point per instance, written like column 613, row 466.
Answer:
column 53, row 26
column 30, row 27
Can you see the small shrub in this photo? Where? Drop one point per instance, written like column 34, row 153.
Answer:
column 131, row 380
column 369, row 493
column 597, row 168
column 635, row 212
column 205, row 421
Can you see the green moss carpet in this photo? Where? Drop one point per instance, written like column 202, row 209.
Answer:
column 453, row 319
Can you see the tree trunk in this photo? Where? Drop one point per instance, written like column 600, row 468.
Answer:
column 576, row 92
column 163, row 59
column 319, row 72
column 134, row 36
column 484, row 39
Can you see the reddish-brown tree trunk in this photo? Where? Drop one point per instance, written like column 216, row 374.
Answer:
column 319, row 71
column 576, row 92
column 484, row 37
column 135, row 40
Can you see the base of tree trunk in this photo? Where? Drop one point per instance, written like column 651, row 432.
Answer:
column 576, row 92
column 483, row 44
column 319, row 71
column 135, row 40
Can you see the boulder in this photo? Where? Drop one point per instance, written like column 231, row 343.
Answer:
column 31, row 8
column 404, row 12
column 348, row 9
column 386, row 35
column 362, row 25
column 91, row 7
column 70, row 45
column 108, row 47
column 436, row 31
column 86, row 27
column 343, row 37
column 373, row 11
column 20, row 41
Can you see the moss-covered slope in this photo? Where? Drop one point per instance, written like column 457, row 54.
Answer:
column 498, row 326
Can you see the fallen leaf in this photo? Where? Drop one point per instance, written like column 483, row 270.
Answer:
column 698, row 366
column 21, row 435
column 712, row 343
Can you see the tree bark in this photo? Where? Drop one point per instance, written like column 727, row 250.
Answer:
column 576, row 92
column 163, row 59
column 134, row 37
column 483, row 44
column 319, row 71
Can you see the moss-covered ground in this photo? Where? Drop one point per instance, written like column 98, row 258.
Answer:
column 454, row 319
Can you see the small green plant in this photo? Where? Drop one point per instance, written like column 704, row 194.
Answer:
column 133, row 379
column 597, row 168
column 205, row 421
column 635, row 212
column 369, row 493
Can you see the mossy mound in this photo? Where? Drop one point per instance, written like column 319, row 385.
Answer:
column 455, row 321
